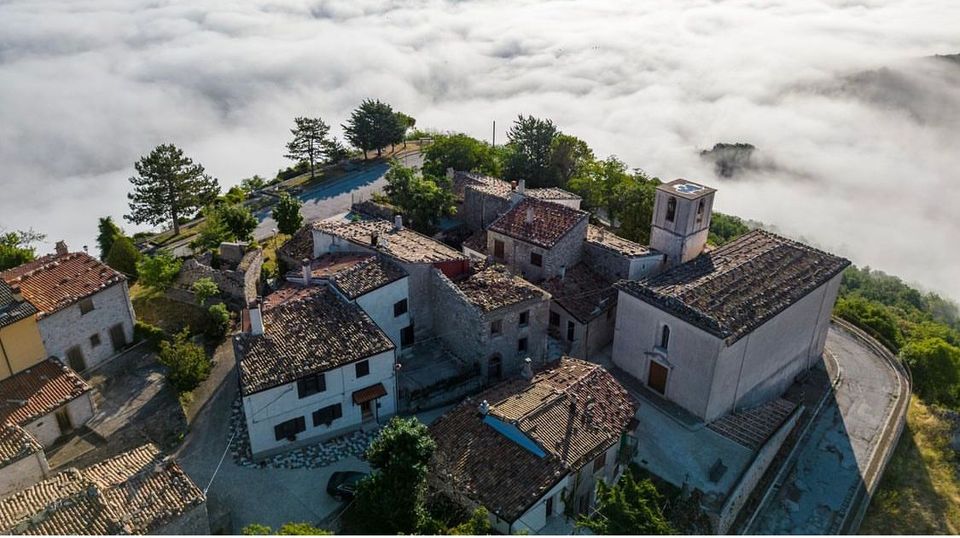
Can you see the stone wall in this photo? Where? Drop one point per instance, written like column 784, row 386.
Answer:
column 23, row 473
column 192, row 522
column 616, row 266
column 480, row 209
column 69, row 327
column 564, row 254
column 238, row 284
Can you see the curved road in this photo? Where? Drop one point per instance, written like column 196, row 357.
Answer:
column 841, row 457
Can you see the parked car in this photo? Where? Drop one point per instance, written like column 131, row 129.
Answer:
column 343, row 484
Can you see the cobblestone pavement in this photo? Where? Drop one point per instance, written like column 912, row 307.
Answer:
column 828, row 469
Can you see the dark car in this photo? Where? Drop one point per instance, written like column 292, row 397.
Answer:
column 343, row 484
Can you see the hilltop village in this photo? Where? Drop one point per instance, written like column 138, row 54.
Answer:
column 558, row 354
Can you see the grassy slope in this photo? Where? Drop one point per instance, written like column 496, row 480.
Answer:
column 920, row 489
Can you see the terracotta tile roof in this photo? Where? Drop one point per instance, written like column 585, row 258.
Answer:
column 16, row 444
column 495, row 287
column 552, row 193
column 366, row 276
column 54, row 282
column 477, row 242
column 582, row 292
column 485, row 184
column 330, row 264
column 608, row 240
column 734, row 289
column 569, row 413
column 369, row 393
column 752, row 427
column 136, row 492
column 300, row 245
column 403, row 245
column 549, row 222
column 13, row 310
column 310, row 331
column 38, row 391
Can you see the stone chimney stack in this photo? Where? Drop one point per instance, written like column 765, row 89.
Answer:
column 522, row 186
column 527, row 371
column 529, row 218
column 484, row 407
column 256, row 318
column 61, row 248
column 398, row 222
column 305, row 271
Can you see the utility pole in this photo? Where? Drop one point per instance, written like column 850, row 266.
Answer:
column 494, row 133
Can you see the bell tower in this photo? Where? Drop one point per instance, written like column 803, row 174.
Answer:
column 681, row 220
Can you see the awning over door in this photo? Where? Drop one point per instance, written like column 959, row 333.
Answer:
column 370, row 393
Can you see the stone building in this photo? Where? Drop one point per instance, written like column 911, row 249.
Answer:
column 417, row 254
column 311, row 366
column 48, row 400
column 731, row 328
column 137, row 492
column 492, row 318
column 531, row 449
column 84, row 310
column 538, row 239
column 617, row 258
column 582, row 310
column 481, row 199
column 235, row 270
column 22, row 461
column 682, row 211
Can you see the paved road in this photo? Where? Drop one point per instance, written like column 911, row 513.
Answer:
column 831, row 460
column 336, row 197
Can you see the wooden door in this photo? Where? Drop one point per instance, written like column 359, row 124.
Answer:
column 75, row 359
column 498, row 249
column 366, row 410
column 63, row 421
column 657, row 378
column 118, row 337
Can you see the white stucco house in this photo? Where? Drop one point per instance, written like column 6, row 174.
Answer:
column 311, row 366
column 727, row 329
column 85, row 314
column 531, row 449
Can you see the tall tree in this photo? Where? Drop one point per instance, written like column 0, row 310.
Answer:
column 371, row 126
column 460, row 152
column 169, row 185
column 423, row 199
column 16, row 248
column 108, row 233
column 309, row 142
column 530, row 141
column 630, row 506
column 569, row 157
column 287, row 214
column 391, row 500
column 123, row 256
column 404, row 124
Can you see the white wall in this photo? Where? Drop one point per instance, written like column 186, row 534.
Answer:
column 535, row 518
column 47, row 431
column 23, row 473
column 68, row 327
column 266, row 409
column 378, row 304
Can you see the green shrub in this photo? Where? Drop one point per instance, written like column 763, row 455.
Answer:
column 204, row 288
column 935, row 366
column 123, row 256
column 186, row 362
column 219, row 322
column 158, row 272
column 150, row 333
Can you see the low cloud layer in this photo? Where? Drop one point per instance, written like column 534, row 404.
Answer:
column 857, row 132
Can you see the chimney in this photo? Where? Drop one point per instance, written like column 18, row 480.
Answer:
column 374, row 238
column 522, row 186
column 563, row 271
column 527, row 371
column 61, row 248
column 305, row 271
column 484, row 407
column 513, row 185
column 398, row 222
column 529, row 215
column 15, row 290
column 256, row 318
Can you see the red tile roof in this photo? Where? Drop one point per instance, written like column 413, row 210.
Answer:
column 55, row 281
column 38, row 391
column 547, row 223
column 369, row 393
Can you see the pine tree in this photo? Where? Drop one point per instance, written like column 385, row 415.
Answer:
column 309, row 142
column 108, row 233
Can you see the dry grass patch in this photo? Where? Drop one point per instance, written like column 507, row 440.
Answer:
column 920, row 490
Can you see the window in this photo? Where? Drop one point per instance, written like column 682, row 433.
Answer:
column 571, row 329
column 327, row 415
column 498, row 249
column 524, row 318
column 671, row 209
column 496, row 327
column 700, row 212
column 600, row 462
column 288, row 430
column 554, row 318
column 86, row 306
column 363, row 368
column 550, row 507
column 536, row 259
column 399, row 308
column 311, row 385
column 94, row 340
column 665, row 337
column 522, row 345
column 407, row 336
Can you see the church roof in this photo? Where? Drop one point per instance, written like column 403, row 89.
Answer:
column 734, row 289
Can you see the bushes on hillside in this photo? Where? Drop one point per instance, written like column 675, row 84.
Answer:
column 151, row 333
column 935, row 366
column 219, row 322
column 186, row 362
column 158, row 272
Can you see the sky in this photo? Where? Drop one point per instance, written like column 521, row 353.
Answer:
column 857, row 131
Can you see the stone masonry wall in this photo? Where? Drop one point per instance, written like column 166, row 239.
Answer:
column 565, row 253
column 237, row 286
column 480, row 209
